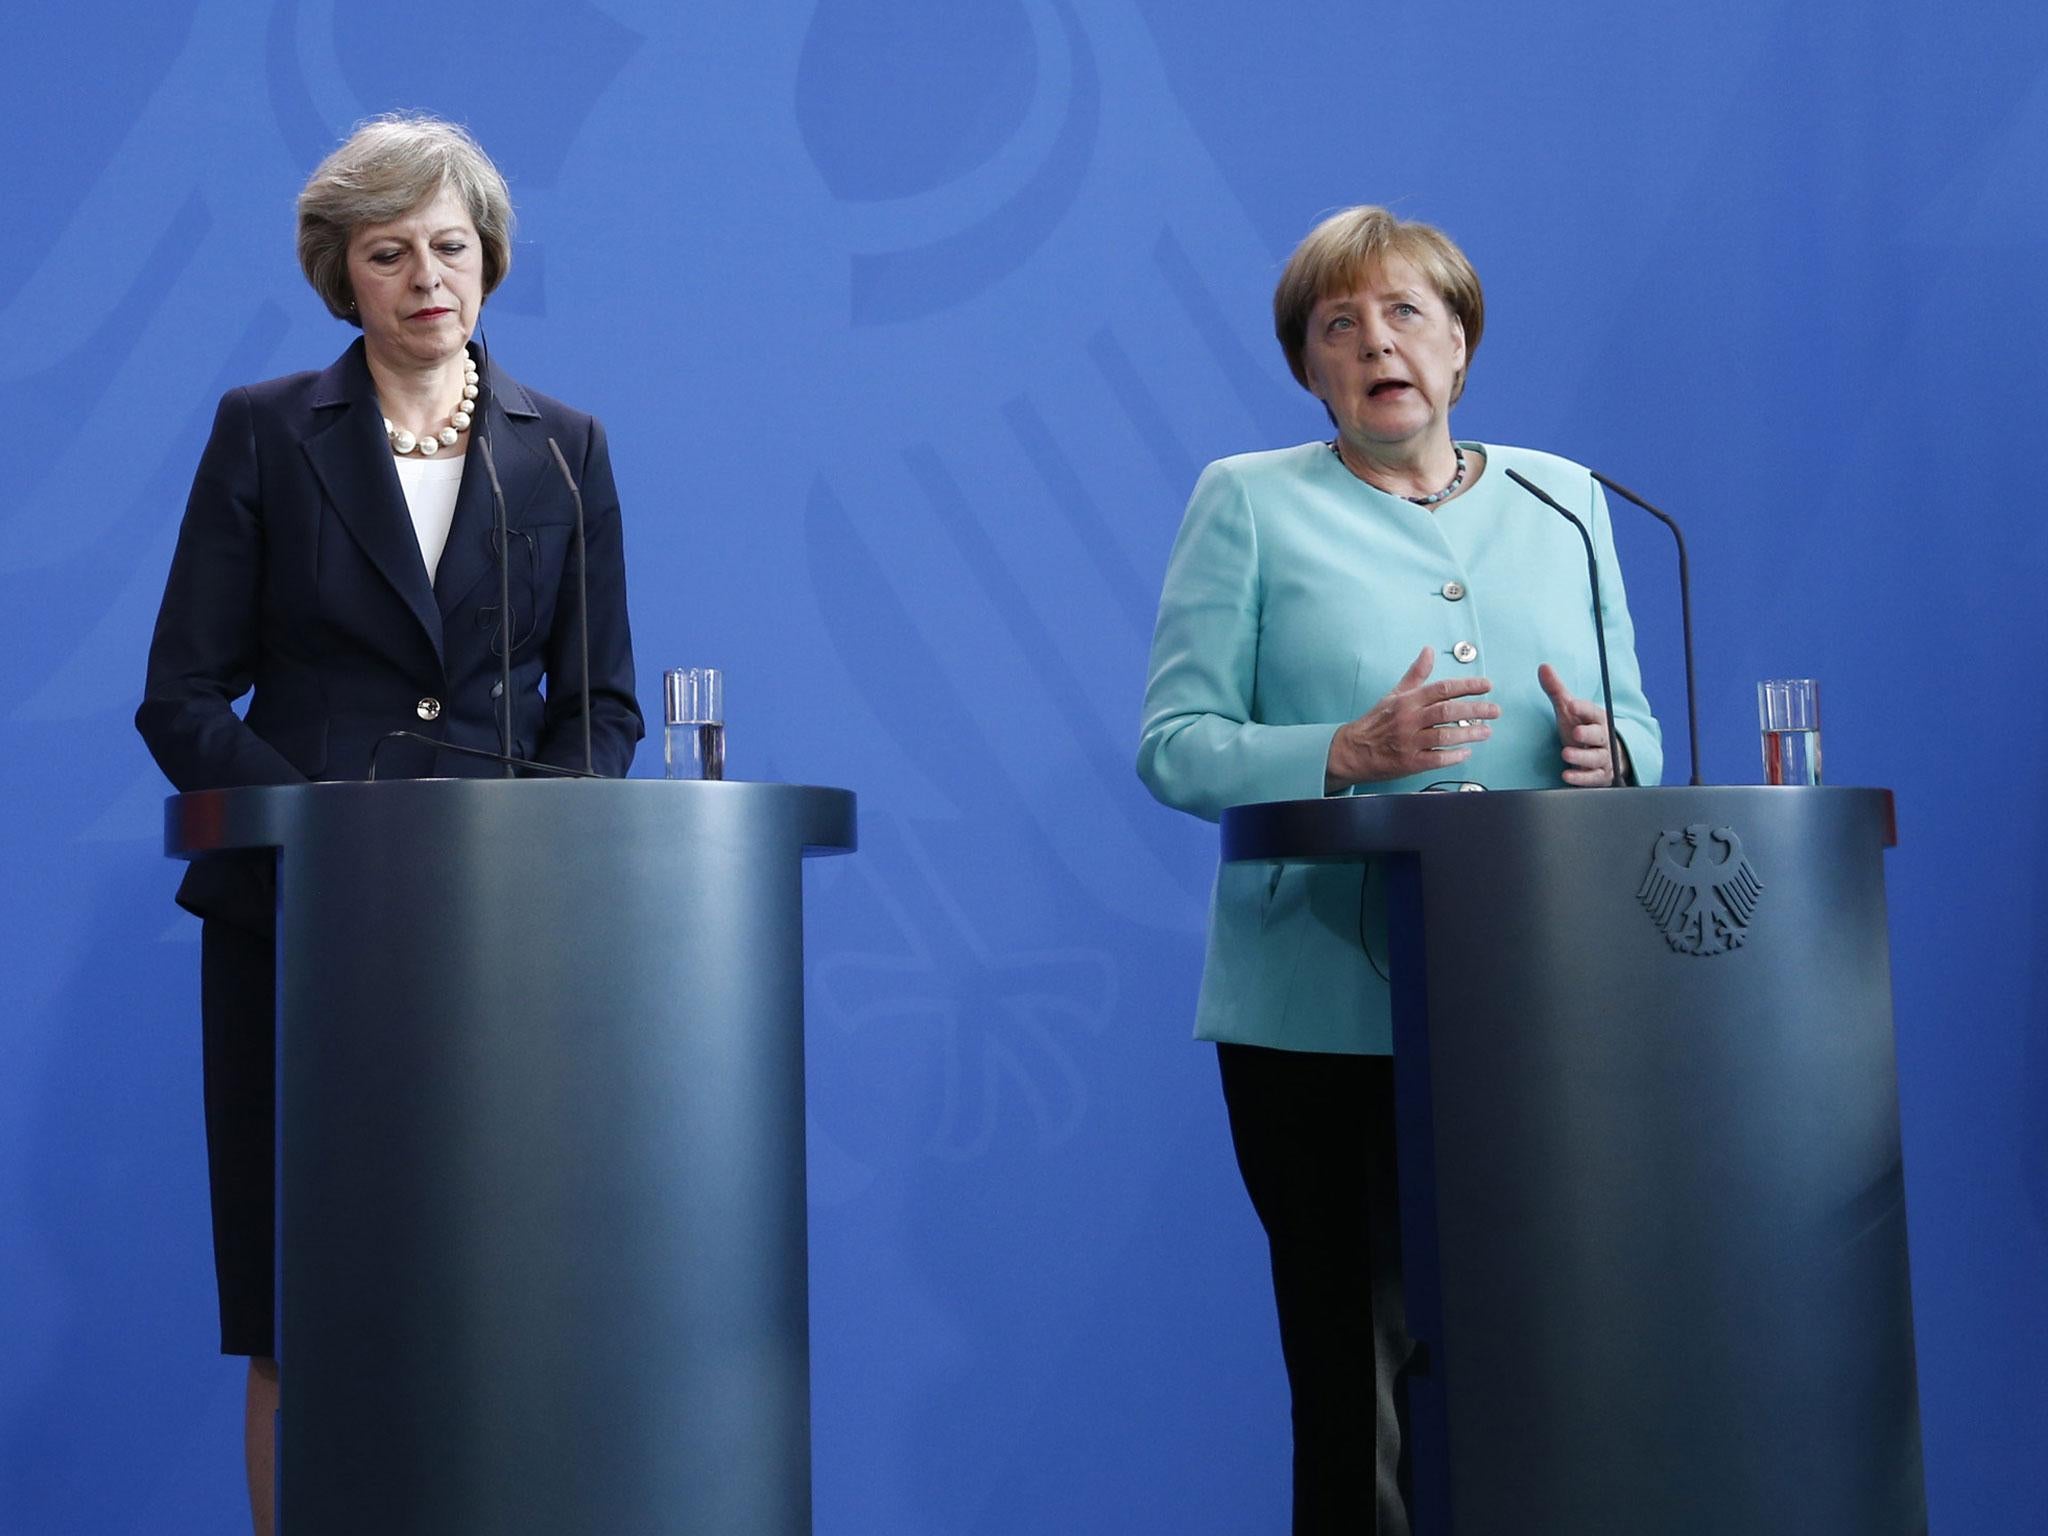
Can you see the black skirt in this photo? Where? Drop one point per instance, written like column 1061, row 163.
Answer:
column 237, row 1006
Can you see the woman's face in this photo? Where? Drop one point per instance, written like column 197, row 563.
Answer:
column 1385, row 358
column 418, row 282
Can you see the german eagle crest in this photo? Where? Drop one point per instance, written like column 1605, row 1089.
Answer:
column 1700, row 889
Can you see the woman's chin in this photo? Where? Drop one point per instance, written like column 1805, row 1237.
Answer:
column 1389, row 430
column 421, row 348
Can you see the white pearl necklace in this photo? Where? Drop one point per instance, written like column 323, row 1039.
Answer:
column 403, row 442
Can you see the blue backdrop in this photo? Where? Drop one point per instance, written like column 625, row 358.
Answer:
column 913, row 322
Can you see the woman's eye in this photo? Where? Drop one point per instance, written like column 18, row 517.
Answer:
column 1341, row 323
column 1406, row 311
column 384, row 258
column 453, row 248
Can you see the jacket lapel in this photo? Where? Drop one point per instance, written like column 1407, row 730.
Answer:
column 347, row 448
column 521, row 452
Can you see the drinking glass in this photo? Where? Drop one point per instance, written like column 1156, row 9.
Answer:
column 1788, row 710
column 693, row 742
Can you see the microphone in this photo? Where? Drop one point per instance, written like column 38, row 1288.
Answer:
column 582, row 594
column 504, row 543
column 1692, row 708
column 1599, row 624
column 504, row 605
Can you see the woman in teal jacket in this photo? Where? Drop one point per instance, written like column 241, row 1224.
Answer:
column 1382, row 612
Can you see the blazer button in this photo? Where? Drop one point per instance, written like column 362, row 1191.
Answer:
column 430, row 709
column 1454, row 590
column 1465, row 651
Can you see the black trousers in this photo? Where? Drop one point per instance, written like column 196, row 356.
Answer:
column 1314, row 1135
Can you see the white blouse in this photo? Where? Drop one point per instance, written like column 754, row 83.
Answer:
column 430, row 487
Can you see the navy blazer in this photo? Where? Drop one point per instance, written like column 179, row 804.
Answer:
column 298, row 580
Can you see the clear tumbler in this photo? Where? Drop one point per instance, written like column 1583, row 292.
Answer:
column 1788, row 710
column 693, row 742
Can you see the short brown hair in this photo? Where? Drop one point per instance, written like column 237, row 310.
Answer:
column 1345, row 249
column 385, row 169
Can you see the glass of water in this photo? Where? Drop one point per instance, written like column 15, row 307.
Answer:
column 693, row 743
column 1788, row 709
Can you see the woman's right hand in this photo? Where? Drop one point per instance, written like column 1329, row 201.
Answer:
column 1419, row 727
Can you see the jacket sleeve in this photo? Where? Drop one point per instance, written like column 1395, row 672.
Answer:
column 1640, row 734
column 1202, row 751
column 615, row 721
column 202, row 656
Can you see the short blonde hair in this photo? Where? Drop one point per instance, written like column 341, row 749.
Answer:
column 1350, row 246
column 385, row 169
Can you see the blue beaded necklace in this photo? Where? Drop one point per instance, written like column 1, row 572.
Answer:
column 1421, row 501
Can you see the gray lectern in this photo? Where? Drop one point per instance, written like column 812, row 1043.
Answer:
column 1653, row 1211
column 541, row 1126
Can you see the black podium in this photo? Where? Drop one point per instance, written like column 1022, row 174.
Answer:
column 1652, row 1200
column 541, row 1131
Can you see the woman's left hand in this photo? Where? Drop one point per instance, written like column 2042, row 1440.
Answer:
column 1582, row 733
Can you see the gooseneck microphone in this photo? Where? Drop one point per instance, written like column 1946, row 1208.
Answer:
column 1599, row 624
column 582, row 595
column 503, row 539
column 1692, row 708
column 504, row 606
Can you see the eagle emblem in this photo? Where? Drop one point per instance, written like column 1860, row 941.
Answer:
column 1701, row 889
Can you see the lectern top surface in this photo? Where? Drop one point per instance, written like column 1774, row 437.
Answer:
column 820, row 820
column 1348, row 827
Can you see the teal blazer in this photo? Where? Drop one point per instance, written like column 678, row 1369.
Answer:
column 1295, row 598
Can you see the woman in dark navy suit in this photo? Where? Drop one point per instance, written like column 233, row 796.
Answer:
column 337, row 563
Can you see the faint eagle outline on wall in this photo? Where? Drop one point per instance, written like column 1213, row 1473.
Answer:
column 930, row 277
column 974, row 1030
column 1701, row 898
